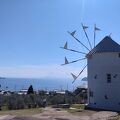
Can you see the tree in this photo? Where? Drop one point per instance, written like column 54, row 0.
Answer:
column 30, row 90
column 80, row 95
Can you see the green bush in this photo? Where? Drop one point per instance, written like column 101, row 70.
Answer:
column 15, row 102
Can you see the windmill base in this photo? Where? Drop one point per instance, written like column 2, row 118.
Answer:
column 87, row 107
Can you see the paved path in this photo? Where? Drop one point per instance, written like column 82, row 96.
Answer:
column 6, row 117
column 56, row 114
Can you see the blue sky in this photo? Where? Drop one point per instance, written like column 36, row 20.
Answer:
column 31, row 32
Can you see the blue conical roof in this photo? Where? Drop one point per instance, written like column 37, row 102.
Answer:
column 106, row 45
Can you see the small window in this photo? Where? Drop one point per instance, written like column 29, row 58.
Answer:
column 115, row 76
column 106, row 97
column 95, row 76
column 119, row 55
column 91, row 93
column 108, row 78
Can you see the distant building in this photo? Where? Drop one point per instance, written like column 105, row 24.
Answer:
column 23, row 92
column 2, row 92
column 59, row 92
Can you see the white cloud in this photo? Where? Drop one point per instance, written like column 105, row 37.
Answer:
column 34, row 71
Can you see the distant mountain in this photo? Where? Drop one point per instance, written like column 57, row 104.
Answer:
column 2, row 78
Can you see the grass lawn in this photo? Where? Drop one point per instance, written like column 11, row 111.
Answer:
column 78, row 106
column 21, row 112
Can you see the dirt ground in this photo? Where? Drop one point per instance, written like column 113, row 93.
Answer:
column 57, row 114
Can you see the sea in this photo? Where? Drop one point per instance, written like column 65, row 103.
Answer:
column 49, row 84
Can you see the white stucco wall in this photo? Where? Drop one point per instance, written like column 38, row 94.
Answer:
column 101, row 64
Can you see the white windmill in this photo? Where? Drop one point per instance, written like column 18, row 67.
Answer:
column 103, row 67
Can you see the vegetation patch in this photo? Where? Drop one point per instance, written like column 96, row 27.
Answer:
column 30, row 100
column 78, row 106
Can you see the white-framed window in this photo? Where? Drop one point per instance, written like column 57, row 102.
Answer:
column 119, row 55
column 108, row 78
column 91, row 93
column 106, row 97
column 95, row 77
column 115, row 76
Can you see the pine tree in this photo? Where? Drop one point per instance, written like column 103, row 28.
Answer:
column 30, row 90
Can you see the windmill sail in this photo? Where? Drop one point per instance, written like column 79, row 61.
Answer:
column 82, row 70
column 95, row 29
column 73, row 33
column 77, row 60
column 66, row 61
column 74, row 76
column 79, row 41
column 89, row 48
column 66, row 46
column 79, row 73
column 84, row 29
column 76, row 51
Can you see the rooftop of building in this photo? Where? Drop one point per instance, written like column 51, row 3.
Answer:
column 106, row 45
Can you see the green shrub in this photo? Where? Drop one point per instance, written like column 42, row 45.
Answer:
column 15, row 102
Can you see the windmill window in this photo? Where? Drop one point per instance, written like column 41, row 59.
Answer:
column 115, row 76
column 91, row 93
column 119, row 55
column 108, row 78
column 95, row 76
column 106, row 97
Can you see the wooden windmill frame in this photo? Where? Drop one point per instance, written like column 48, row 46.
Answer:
column 65, row 47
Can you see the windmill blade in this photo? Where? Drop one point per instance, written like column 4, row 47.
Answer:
column 76, row 51
column 76, row 60
column 79, row 73
column 73, row 33
column 84, row 29
column 94, row 34
column 66, row 61
column 95, row 29
column 73, row 50
column 79, row 41
column 66, row 45
column 110, row 34
column 74, row 76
